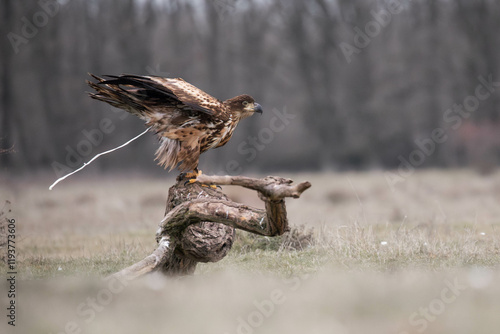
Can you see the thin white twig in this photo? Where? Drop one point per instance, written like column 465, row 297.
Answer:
column 97, row 156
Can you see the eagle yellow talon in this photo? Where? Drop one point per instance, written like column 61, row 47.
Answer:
column 192, row 179
column 213, row 186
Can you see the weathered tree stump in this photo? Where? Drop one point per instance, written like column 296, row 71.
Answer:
column 199, row 223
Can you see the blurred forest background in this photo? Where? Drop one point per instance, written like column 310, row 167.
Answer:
column 345, row 84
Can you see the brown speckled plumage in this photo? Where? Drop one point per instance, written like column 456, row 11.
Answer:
column 187, row 120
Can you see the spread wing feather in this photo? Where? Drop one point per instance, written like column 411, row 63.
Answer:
column 157, row 91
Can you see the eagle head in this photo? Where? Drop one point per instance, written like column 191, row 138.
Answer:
column 243, row 106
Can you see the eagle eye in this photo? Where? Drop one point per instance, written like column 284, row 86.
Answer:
column 245, row 103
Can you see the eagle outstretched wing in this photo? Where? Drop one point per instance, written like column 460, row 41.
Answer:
column 153, row 91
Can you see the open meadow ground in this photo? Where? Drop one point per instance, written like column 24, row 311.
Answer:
column 422, row 256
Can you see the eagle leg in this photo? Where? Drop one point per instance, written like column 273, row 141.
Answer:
column 193, row 175
column 192, row 178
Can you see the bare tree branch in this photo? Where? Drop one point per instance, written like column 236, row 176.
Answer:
column 272, row 187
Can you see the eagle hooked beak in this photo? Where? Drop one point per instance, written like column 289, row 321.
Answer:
column 257, row 108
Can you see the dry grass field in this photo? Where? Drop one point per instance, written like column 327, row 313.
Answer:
column 422, row 257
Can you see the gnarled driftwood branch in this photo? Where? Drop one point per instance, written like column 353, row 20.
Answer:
column 199, row 221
